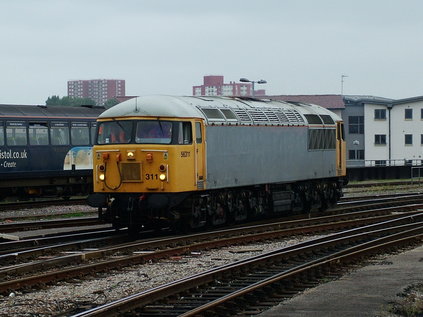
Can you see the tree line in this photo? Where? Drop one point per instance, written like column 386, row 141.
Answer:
column 77, row 102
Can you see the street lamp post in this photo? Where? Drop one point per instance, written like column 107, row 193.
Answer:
column 342, row 83
column 245, row 80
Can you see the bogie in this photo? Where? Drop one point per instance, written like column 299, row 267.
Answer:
column 218, row 208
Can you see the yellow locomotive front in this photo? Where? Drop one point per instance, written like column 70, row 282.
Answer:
column 143, row 165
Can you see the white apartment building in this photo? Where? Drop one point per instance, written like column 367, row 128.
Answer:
column 384, row 132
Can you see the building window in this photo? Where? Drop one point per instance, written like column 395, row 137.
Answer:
column 380, row 139
column 408, row 139
column 421, row 139
column 356, row 124
column 408, row 114
column 356, row 154
column 380, row 114
column 380, row 163
column 421, row 113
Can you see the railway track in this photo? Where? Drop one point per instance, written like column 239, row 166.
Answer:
column 37, row 225
column 230, row 289
column 18, row 274
column 387, row 183
column 375, row 207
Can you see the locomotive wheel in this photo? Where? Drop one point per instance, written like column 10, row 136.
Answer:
column 198, row 216
column 216, row 210
column 241, row 207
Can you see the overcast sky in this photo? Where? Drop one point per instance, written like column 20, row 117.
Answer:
column 167, row 46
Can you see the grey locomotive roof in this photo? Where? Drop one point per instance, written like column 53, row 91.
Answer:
column 219, row 110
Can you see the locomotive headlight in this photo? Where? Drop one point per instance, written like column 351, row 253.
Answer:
column 162, row 177
column 101, row 176
column 130, row 155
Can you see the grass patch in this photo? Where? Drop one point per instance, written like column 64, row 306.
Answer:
column 410, row 302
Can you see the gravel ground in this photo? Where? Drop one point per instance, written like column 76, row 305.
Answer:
column 45, row 211
column 100, row 289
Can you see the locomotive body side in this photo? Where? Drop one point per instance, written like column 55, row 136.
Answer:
column 262, row 155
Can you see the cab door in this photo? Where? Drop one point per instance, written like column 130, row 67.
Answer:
column 199, row 142
column 341, row 151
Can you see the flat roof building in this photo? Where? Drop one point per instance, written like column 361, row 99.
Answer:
column 214, row 85
column 99, row 90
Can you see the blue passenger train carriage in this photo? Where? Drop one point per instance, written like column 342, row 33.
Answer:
column 46, row 150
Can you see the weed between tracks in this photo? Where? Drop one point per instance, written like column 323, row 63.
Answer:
column 408, row 304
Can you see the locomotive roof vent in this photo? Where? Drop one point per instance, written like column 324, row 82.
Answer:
column 245, row 116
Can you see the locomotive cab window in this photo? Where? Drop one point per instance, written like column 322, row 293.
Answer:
column 163, row 132
column 38, row 133
column 154, row 132
column 16, row 133
column 113, row 132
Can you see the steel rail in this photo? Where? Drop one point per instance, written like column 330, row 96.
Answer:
column 26, row 246
column 36, row 225
column 374, row 237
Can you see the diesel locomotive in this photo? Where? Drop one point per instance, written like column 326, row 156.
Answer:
column 206, row 161
column 46, row 150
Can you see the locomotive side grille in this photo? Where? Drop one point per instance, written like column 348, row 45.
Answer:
column 131, row 171
column 282, row 117
column 299, row 117
column 271, row 116
column 242, row 115
column 257, row 116
column 294, row 116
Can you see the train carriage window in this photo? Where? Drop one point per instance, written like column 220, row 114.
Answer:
column 80, row 134
column 59, row 133
column 16, row 133
column 38, row 133
column 1, row 133
column 93, row 129
column 116, row 131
